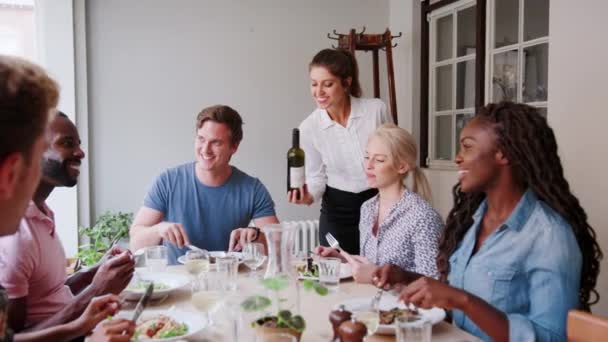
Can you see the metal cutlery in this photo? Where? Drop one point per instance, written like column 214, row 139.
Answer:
column 141, row 305
column 194, row 248
column 331, row 240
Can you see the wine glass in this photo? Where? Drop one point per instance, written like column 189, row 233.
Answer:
column 370, row 317
column 253, row 256
column 196, row 262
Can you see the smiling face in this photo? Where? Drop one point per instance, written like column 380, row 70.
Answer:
column 213, row 146
column 327, row 90
column 61, row 161
column 381, row 169
column 479, row 159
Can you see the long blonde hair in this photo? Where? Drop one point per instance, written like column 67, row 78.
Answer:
column 403, row 149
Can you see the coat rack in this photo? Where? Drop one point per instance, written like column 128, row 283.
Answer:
column 362, row 41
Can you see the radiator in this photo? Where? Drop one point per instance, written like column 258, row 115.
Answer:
column 307, row 238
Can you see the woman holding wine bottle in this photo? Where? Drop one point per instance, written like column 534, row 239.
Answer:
column 333, row 138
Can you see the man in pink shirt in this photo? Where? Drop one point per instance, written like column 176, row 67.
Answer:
column 32, row 261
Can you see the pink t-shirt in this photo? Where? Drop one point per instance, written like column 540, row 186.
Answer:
column 32, row 265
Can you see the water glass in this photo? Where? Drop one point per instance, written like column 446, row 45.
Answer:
column 413, row 329
column 253, row 256
column 329, row 272
column 228, row 268
column 156, row 258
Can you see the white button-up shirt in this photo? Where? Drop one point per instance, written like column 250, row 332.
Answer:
column 334, row 153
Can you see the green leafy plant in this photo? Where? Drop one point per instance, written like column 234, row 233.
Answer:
column 283, row 318
column 109, row 228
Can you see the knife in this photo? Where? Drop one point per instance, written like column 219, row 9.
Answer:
column 141, row 305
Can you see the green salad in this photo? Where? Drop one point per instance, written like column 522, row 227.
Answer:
column 305, row 271
column 142, row 285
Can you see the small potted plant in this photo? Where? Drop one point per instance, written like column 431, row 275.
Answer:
column 284, row 321
column 107, row 230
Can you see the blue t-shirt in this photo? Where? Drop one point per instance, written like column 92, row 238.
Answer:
column 207, row 213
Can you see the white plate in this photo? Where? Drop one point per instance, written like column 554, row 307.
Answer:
column 194, row 321
column 387, row 302
column 174, row 281
column 215, row 254
column 345, row 272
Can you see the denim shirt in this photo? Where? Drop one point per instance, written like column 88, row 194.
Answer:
column 529, row 268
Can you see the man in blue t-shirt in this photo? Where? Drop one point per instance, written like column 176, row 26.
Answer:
column 204, row 203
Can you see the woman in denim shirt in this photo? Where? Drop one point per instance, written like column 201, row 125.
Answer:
column 517, row 250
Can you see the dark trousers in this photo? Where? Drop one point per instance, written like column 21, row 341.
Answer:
column 340, row 213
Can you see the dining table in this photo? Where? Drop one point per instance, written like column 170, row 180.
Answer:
column 314, row 308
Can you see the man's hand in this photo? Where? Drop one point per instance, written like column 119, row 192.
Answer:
column 174, row 233
column 388, row 276
column 114, row 274
column 111, row 331
column 98, row 309
column 240, row 237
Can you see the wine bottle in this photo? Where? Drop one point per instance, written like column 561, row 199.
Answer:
column 295, row 163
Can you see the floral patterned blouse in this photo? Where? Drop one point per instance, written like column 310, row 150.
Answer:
column 408, row 237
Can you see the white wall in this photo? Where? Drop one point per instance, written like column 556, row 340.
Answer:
column 577, row 112
column 153, row 65
column 55, row 33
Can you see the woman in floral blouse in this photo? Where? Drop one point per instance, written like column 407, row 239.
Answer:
column 398, row 226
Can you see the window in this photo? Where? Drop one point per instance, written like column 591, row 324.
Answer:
column 455, row 77
column 518, row 51
column 451, row 77
column 18, row 28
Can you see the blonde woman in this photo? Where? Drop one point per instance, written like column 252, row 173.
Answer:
column 398, row 226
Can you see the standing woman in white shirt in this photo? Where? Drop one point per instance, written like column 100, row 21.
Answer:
column 334, row 137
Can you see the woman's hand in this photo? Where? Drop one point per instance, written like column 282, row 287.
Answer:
column 387, row 276
column 328, row 252
column 362, row 268
column 300, row 196
column 428, row 292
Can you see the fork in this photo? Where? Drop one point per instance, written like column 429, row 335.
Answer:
column 333, row 243
column 375, row 304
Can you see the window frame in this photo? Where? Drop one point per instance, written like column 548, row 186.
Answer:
column 425, row 78
column 520, row 46
column 433, row 17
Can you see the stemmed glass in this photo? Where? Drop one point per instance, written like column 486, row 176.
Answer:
column 253, row 256
column 197, row 262
column 371, row 319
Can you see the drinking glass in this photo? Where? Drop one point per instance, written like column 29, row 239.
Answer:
column 156, row 258
column 253, row 256
column 227, row 268
column 413, row 329
column 196, row 262
column 371, row 319
column 207, row 302
column 329, row 272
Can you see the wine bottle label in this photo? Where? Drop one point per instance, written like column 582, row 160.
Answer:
column 296, row 177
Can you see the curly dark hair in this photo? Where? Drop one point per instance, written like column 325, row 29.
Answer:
column 529, row 144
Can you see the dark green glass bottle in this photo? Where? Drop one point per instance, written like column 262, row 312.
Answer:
column 295, row 163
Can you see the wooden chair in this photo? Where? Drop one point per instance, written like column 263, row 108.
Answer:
column 585, row 327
